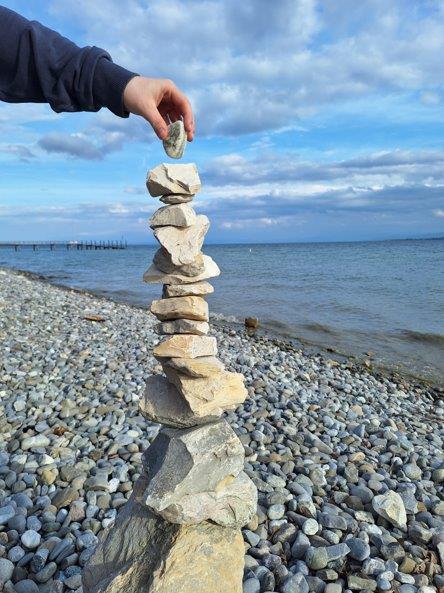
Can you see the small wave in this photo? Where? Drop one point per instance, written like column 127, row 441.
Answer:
column 57, row 277
column 426, row 337
column 226, row 318
column 319, row 327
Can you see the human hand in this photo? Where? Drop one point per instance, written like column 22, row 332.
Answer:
column 159, row 100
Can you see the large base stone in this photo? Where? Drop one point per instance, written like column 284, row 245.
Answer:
column 143, row 553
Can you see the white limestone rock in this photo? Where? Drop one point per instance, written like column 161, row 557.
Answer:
column 162, row 260
column 391, row 506
column 189, row 307
column 193, row 289
column 186, row 346
column 180, row 463
column 153, row 275
column 176, row 140
column 173, row 179
column 197, row 368
column 183, row 244
column 176, row 198
column 183, row 326
column 233, row 504
column 162, row 403
column 209, row 395
column 180, row 215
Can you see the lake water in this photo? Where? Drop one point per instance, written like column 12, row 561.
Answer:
column 385, row 297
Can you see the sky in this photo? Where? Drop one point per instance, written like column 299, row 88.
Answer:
column 316, row 121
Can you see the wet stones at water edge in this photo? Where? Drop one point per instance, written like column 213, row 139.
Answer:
column 193, row 490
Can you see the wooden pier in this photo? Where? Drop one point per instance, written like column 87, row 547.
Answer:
column 51, row 245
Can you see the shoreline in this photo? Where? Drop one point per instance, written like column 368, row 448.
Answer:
column 325, row 442
column 363, row 362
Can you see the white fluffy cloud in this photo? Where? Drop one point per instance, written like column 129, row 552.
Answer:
column 258, row 65
column 269, row 193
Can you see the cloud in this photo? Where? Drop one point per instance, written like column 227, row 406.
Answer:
column 23, row 153
column 384, row 167
column 70, row 144
column 79, row 213
column 259, row 65
column 279, row 193
column 134, row 190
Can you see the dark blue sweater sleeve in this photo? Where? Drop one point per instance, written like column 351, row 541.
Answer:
column 38, row 65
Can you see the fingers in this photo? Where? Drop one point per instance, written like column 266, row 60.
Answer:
column 159, row 124
column 182, row 107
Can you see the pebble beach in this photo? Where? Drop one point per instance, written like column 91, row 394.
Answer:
column 348, row 462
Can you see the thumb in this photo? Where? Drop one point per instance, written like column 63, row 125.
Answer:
column 152, row 115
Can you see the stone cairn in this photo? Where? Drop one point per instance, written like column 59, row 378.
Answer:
column 180, row 531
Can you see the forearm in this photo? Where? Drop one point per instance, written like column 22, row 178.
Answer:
column 39, row 65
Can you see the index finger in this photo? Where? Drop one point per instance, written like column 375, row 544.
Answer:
column 183, row 106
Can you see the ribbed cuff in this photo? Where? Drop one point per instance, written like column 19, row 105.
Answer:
column 109, row 83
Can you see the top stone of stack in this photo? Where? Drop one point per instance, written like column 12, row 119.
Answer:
column 168, row 179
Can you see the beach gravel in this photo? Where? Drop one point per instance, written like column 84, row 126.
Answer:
column 347, row 461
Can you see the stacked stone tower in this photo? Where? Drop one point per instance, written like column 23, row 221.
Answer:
column 180, row 531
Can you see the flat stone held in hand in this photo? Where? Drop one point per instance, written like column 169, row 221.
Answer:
column 180, row 215
column 154, row 275
column 173, row 179
column 183, row 244
column 190, row 307
column 176, row 140
column 186, row 346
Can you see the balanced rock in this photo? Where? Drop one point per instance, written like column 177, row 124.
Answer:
column 221, row 391
column 162, row 403
column 187, row 307
column 183, row 244
column 193, row 289
column 143, row 553
column 173, row 179
column 162, row 260
column 183, row 326
column 204, row 366
column 186, row 346
column 176, row 198
column 154, row 275
column 180, row 215
column 180, row 463
column 175, row 142
column 233, row 504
